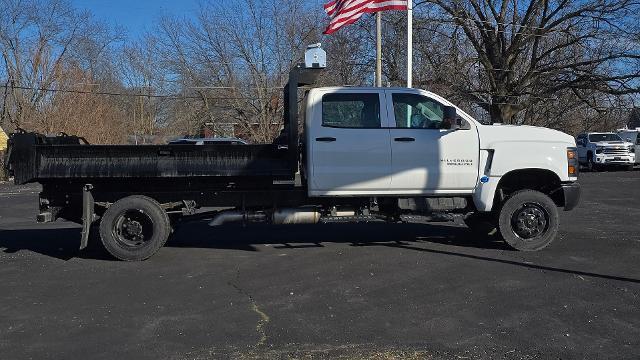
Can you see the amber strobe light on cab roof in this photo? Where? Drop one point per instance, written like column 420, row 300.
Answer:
column 572, row 160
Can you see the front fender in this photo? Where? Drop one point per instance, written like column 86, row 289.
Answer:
column 510, row 156
column 507, row 157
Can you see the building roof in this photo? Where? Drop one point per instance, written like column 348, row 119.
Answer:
column 3, row 140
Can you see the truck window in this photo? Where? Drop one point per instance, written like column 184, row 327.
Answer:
column 604, row 137
column 417, row 111
column 351, row 110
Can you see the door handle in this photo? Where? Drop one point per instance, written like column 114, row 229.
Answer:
column 404, row 139
column 326, row 139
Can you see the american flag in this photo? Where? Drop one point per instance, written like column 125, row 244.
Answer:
column 345, row 12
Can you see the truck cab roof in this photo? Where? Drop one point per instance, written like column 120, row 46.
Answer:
column 379, row 90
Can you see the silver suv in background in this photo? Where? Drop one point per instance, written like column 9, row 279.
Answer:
column 598, row 150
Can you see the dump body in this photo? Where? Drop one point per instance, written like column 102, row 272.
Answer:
column 36, row 158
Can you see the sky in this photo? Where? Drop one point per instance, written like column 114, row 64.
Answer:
column 136, row 16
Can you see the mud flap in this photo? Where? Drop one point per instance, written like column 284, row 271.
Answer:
column 88, row 214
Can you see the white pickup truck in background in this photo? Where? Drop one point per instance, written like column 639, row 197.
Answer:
column 600, row 150
column 365, row 154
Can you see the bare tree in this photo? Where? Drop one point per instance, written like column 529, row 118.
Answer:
column 530, row 51
column 48, row 50
column 231, row 65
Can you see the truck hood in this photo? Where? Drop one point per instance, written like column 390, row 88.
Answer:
column 613, row 144
column 490, row 135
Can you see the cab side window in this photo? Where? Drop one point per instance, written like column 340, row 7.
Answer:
column 343, row 110
column 417, row 112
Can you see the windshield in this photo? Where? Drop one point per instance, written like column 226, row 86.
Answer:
column 604, row 137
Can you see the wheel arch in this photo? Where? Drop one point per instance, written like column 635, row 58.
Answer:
column 543, row 180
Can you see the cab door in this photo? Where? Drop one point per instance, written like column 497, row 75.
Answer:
column 427, row 158
column 350, row 150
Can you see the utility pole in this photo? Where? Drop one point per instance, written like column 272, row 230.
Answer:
column 410, row 43
column 379, row 49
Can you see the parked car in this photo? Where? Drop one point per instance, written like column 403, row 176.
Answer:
column 209, row 141
column 598, row 150
column 632, row 136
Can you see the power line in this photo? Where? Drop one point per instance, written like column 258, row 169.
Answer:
column 184, row 97
column 158, row 96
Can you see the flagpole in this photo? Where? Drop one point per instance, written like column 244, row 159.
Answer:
column 410, row 43
column 379, row 49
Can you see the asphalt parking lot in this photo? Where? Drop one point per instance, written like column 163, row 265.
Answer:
column 328, row 291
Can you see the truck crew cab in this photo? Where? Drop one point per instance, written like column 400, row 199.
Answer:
column 383, row 154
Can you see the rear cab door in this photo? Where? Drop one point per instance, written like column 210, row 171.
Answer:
column 348, row 142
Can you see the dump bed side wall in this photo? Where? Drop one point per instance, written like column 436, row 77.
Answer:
column 34, row 158
column 158, row 161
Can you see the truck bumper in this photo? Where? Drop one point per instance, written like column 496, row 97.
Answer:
column 615, row 160
column 572, row 193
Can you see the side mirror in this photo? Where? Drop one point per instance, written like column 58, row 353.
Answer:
column 449, row 112
column 451, row 120
column 462, row 124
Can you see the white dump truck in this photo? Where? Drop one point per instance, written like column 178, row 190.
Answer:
column 365, row 154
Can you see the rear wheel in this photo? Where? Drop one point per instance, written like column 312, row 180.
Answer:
column 528, row 220
column 134, row 228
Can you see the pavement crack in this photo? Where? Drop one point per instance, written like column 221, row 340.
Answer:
column 264, row 318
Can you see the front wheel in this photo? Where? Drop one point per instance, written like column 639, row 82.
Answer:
column 591, row 166
column 134, row 228
column 528, row 220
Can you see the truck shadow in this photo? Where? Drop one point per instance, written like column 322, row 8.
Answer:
column 234, row 236
column 59, row 243
column 63, row 243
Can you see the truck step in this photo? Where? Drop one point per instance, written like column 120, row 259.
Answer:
column 351, row 219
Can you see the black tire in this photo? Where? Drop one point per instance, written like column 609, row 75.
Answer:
column 629, row 167
column 528, row 220
column 134, row 228
column 591, row 166
column 482, row 224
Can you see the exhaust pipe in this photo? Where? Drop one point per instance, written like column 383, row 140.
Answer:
column 280, row 216
column 235, row 216
column 295, row 216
